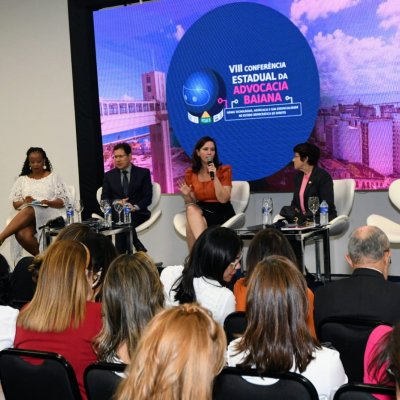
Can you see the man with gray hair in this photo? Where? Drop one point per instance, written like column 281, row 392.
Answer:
column 367, row 293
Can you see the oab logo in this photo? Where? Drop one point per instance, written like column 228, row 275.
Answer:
column 203, row 92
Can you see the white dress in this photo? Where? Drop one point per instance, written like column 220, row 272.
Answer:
column 50, row 187
column 8, row 321
column 209, row 293
column 325, row 371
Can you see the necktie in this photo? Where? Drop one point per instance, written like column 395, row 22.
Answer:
column 125, row 183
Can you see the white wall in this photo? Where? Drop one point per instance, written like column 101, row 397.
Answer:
column 36, row 101
column 36, row 109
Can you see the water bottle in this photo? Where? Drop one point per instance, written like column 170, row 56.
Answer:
column 127, row 213
column 323, row 213
column 267, row 211
column 70, row 214
column 108, row 215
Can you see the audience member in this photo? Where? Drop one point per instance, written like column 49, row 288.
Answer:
column 59, row 318
column 212, row 262
column 380, row 348
column 268, row 242
column 206, row 190
column 38, row 195
column 128, row 184
column 180, row 353
column 277, row 339
column 132, row 295
column 102, row 253
column 367, row 293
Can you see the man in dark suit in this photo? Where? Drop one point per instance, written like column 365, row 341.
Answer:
column 130, row 184
column 367, row 293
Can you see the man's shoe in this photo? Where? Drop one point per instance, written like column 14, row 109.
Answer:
column 139, row 246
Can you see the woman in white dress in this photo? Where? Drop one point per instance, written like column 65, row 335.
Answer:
column 38, row 195
column 277, row 338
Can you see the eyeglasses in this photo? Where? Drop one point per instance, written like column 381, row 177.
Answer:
column 234, row 264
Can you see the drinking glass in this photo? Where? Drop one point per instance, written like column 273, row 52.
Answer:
column 313, row 205
column 78, row 207
column 118, row 207
column 103, row 204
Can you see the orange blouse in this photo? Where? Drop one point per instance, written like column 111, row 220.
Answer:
column 240, row 292
column 205, row 191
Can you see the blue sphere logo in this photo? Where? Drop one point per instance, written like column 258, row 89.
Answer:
column 201, row 91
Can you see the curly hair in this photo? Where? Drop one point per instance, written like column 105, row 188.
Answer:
column 26, row 169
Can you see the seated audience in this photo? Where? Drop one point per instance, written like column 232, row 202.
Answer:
column 367, row 293
column 132, row 295
column 277, row 339
column 212, row 262
column 60, row 318
column 383, row 345
column 179, row 354
column 265, row 243
column 102, row 252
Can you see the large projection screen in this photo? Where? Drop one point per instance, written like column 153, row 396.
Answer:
column 349, row 104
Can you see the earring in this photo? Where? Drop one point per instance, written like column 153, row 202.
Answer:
column 30, row 168
column 44, row 167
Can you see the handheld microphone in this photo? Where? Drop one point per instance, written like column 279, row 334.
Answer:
column 281, row 223
column 54, row 223
column 209, row 162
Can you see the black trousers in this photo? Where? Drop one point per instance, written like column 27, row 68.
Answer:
column 122, row 239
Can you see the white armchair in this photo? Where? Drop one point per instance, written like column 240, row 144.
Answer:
column 343, row 190
column 239, row 198
column 153, row 207
column 391, row 228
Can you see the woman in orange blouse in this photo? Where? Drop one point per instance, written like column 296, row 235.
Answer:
column 206, row 190
column 266, row 243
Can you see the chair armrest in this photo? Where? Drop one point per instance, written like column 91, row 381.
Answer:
column 146, row 224
column 391, row 228
column 97, row 216
column 339, row 225
column 180, row 223
column 235, row 222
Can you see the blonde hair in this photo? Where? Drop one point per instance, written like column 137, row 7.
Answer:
column 180, row 352
column 62, row 289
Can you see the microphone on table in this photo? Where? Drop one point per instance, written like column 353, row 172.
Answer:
column 279, row 224
column 209, row 162
column 54, row 223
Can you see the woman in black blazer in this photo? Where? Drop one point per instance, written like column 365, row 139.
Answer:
column 311, row 180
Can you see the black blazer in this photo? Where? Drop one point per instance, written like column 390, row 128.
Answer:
column 366, row 294
column 140, row 187
column 320, row 184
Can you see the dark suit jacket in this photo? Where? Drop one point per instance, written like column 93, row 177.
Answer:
column 365, row 294
column 320, row 184
column 140, row 188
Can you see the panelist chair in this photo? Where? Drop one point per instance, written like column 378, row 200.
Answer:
column 390, row 227
column 154, row 207
column 343, row 191
column 47, row 376
column 240, row 196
